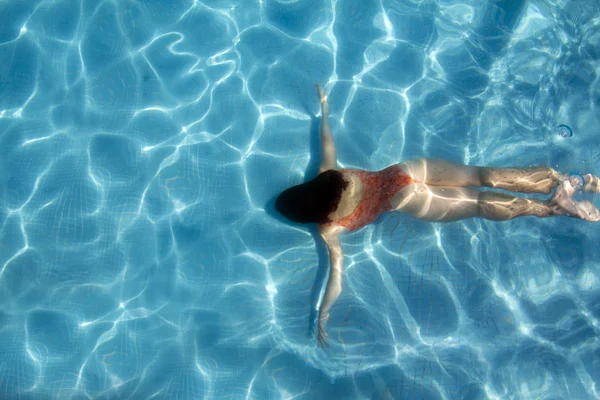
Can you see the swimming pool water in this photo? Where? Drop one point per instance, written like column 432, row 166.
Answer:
column 143, row 143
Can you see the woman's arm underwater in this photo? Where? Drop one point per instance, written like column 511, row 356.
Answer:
column 328, row 159
column 331, row 236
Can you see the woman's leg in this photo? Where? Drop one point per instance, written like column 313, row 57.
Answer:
column 445, row 173
column 444, row 204
column 439, row 192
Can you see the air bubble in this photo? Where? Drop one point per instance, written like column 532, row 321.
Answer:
column 564, row 131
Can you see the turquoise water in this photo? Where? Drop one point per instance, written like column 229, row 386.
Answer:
column 142, row 146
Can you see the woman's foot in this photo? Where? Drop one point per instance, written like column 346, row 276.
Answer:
column 562, row 200
column 592, row 183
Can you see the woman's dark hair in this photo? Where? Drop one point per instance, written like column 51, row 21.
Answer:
column 314, row 200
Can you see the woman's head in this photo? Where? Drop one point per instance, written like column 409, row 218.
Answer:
column 314, row 200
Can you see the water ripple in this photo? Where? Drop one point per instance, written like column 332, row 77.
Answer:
column 143, row 143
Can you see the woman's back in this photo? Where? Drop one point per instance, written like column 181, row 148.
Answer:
column 368, row 195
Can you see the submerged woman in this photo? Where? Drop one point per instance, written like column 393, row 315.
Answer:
column 343, row 200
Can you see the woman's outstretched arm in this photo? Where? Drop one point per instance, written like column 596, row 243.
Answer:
column 331, row 236
column 328, row 160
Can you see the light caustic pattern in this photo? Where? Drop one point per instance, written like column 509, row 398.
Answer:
column 142, row 145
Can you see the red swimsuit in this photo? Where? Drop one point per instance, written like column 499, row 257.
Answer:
column 378, row 189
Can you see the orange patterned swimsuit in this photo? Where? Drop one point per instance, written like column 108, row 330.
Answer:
column 378, row 189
